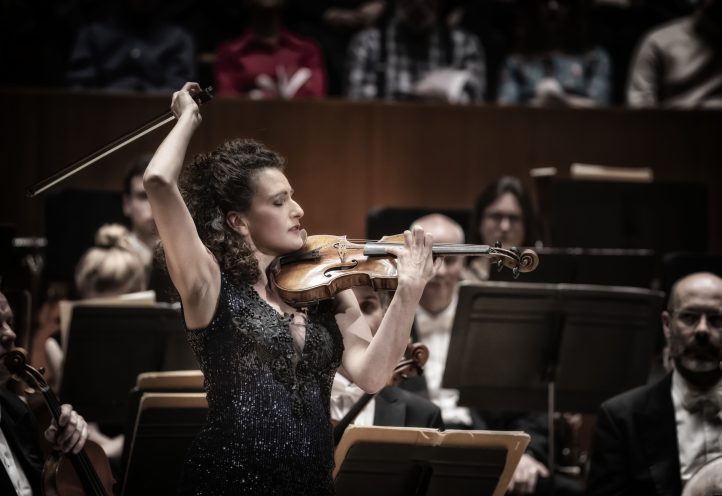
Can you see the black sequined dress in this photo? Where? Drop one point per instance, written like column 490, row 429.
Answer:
column 268, row 430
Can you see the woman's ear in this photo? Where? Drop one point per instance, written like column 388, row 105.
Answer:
column 236, row 222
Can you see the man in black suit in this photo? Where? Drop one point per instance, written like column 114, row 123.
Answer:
column 392, row 406
column 21, row 460
column 650, row 440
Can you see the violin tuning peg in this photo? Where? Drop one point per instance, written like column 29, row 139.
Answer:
column 499, row 265
column 515, row 272
column 497, row 244
column 515, row 250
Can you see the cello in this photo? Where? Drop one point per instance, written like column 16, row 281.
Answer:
column 86, row 473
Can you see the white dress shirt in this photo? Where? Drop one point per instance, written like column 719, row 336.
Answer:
column 13, row 467
column 344, row 394
column 699, row 433
column 435, row 332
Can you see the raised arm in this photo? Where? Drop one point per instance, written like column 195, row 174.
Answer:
column 370, row 364
column 194, row 271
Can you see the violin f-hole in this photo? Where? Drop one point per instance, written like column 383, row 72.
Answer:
column 329, row 272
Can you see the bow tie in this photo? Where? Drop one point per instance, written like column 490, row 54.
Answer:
column 708, row 404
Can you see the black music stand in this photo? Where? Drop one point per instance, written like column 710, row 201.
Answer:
column 400, row 461
column 606, row 266
column 108, row 346
column 165, row 426
column 537, row 347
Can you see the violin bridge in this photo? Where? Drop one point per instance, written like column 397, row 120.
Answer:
column 341, row 248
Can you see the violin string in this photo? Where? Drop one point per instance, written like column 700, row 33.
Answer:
column 82, row 458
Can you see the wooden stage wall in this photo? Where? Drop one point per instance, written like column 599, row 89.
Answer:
column 344, row 158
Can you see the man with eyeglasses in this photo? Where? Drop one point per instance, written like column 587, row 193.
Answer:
column 651, row 440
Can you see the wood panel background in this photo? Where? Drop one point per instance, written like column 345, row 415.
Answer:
column 344, row 158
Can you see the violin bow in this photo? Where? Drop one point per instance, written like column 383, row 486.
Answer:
column 202, row 97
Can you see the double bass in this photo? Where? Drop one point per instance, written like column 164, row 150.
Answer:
column 86, row 473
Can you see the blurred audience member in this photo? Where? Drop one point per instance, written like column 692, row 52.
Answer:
column 650, row 440
column 492, row 21
column 332, row 23
column 502, row 213
column 143, row 234
column 680, row 63
column 554, row 62
column 133, row 50
column 414, row 55
column 392, row 406
column 268, row 61
column 618, row 25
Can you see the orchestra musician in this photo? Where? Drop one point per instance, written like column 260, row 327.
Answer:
column 20, row 453
column 650, row 440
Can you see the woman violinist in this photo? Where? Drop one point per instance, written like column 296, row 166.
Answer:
column 223, row 220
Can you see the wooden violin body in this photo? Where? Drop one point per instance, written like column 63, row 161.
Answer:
column 329, row 264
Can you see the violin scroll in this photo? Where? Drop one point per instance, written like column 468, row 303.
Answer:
column 412, row 364
column 517, row 261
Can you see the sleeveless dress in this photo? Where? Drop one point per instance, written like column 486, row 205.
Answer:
column 268, row 429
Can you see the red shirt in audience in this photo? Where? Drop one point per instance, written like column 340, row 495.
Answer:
column 240, row 62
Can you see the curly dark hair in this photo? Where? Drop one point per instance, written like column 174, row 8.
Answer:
column 218, row 182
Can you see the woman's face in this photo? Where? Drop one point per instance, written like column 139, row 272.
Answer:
column 503, row 220
column 273, row 221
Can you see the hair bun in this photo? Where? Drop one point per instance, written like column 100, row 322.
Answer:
column 113, row 236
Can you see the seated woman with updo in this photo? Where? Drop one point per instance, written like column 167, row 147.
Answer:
column 110, row 268
column 504, row 213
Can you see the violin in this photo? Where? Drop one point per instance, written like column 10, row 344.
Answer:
column 411, row 365
column 327, row 265
column 86, row 473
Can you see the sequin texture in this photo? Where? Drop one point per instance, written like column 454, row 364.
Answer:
column 268, row 430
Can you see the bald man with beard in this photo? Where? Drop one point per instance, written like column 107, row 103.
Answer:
column 650, row 440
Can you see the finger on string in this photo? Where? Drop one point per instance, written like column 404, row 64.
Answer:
column 51, row 434
column 418, row 235
column 71, row 442
column 83, row 438
column 408, row 238
column 65, row 411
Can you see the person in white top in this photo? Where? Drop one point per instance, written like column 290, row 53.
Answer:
column 392, row 406
column 651, row 440
column 434, row 320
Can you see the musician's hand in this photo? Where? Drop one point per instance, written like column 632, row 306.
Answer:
column 184, row 104
column 414, row 262
column 69, row 433
column 526, row 475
